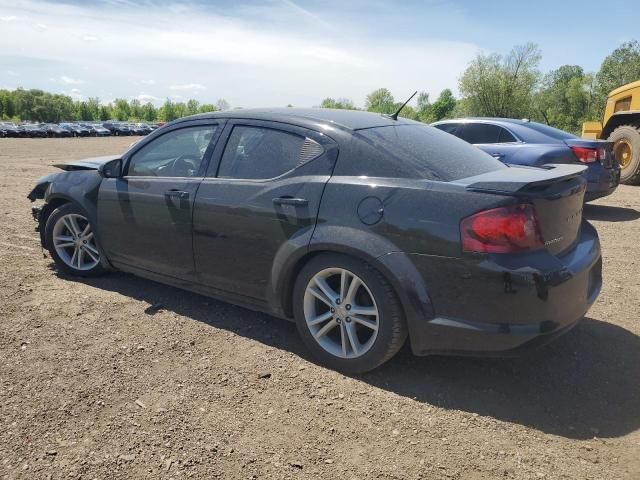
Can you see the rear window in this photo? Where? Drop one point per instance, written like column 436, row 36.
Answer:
column 420, row 151
column 554, row 133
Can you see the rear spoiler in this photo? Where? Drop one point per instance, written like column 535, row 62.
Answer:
column 518, row 179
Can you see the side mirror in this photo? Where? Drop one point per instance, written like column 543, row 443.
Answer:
column 112, row 169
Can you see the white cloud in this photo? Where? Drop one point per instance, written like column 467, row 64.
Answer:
column 89, row 38
column 146, row 98
column 256, row 55
column 9, row 18
column 187, row 86
column 74, row 93
column 64, row 79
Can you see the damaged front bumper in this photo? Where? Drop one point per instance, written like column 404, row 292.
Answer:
column 35, row 213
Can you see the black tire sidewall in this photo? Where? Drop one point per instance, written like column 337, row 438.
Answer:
column 59, row 212
column 631, row 174
column 389, row 314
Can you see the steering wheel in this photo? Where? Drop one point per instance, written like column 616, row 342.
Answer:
column 184, row 166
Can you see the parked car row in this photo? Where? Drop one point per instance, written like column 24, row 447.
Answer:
column 74, row 129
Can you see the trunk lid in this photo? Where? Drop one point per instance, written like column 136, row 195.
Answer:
column 556, row 192
column 606, row 161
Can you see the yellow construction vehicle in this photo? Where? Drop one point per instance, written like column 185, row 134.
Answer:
column 621, row 126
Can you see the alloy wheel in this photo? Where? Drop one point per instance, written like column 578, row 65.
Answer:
column 341, row 313
column 74, row 242
column 623, row 152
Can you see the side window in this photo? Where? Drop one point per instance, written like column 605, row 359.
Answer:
column 451, row 128
column 622, row 105
column 178, row 153
column 480, row 133
column 506, row 136
column 263, row 153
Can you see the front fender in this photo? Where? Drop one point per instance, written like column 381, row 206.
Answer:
column 40, row 190
column 80, row 187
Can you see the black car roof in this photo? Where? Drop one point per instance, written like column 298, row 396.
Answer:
column 346, row 119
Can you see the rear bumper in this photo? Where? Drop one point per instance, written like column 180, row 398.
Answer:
column 502, row 306
column 601, row 181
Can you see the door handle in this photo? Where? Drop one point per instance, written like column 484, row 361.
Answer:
column 499, row 156
column 174, row 193
column 297, row 202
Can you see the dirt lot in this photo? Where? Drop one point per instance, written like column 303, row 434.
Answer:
column 97, row 383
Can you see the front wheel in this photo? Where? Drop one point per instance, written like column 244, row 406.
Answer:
column 71, row 241
column 347, row 313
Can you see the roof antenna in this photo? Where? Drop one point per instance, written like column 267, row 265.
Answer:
column 395, row 115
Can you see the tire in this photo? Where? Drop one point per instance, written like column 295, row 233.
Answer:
column 63, row 246
column 373, row 346
column 624, row 138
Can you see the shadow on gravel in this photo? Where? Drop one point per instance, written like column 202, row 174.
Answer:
column 584, row 384
column 608, row 213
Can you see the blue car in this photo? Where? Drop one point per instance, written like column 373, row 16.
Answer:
column 522, row 142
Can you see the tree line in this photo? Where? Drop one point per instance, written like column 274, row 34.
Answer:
column 513, row 86
column 493, row 85
column 40, row 106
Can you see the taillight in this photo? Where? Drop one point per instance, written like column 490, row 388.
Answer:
column 502, row 230
column 589, row 155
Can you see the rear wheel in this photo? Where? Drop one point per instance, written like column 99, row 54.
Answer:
column 347, row 313
column 626, row 150
column 71, row 242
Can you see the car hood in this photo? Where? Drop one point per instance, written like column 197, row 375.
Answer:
column 86, row 164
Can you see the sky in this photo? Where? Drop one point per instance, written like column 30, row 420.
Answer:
column 280, row 52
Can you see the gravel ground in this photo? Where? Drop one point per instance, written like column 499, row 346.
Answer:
column 120, row 377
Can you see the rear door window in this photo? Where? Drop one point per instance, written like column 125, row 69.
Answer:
column 452, row 128
column 262, row 153
column 479, row 133
column 506, row 136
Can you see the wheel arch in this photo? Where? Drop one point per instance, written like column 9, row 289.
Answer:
column 45, row 213
column 631, row 118
column 395, row 266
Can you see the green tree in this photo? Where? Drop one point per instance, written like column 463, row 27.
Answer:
column 565, row 98
column 502, row 86
column 206, row 108
column 443, row 107
column 380, row 101
column 149, row 112
column 340, row 103
column 424, row 107
column 135, row 110
column 168, row 111
column 106, row 112
column 622, row 66
column 192, row 107
column 121, row 110
column 222, row 105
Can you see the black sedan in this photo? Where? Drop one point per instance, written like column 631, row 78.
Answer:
column 54, row 130
column 96, row 130
column 362, row 228
column 32, row 130
column 522, row 142
column 76, row 130
column 117, row 128
column 9, row 130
